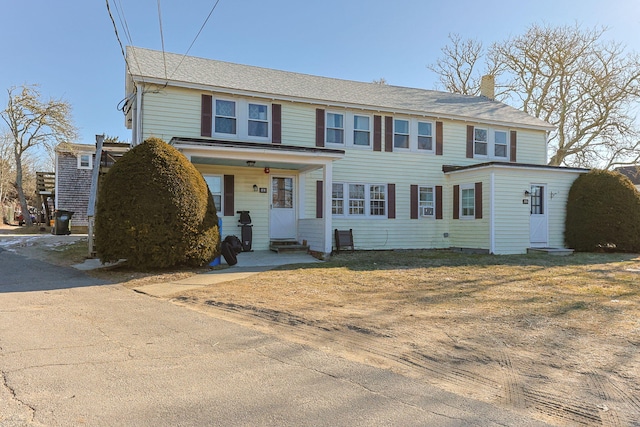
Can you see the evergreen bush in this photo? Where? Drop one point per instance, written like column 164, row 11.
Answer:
column 603, row 213
column 155, row 210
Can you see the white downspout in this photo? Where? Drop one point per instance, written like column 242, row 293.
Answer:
column 327, row 179
column 138, row 134
column 492, row 219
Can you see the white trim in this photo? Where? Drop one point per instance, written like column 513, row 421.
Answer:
column 328, row 143
column 408, row 134
column 467, row 187
column 492, row 216
column 79, row 156
column 327, row 179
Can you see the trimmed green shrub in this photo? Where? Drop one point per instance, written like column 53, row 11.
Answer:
column 603, row 213
column 155, row 210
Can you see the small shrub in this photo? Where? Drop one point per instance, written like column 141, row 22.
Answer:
column 603, row 213
column 155, row 210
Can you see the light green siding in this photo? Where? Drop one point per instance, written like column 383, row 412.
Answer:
column 171, row 112
column 298, row 125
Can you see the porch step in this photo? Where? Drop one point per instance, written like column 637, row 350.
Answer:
column 550, row 251
column 287, row 245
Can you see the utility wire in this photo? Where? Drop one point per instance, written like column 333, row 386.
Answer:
column 164, row 58
column 115, row 29
column 195, row 38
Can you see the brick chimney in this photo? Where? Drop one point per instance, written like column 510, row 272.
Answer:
column 488, row 86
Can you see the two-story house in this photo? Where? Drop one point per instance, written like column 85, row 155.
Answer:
column 403, row 168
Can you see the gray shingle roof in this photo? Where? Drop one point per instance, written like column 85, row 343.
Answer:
column 149, row 65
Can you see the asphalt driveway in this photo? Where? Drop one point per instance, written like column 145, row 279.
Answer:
column 75, row 351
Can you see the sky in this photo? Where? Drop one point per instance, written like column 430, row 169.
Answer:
column 69, row 48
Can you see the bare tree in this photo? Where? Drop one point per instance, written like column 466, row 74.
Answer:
column 380, row 81
column 568, row 77
column 34, row 123
column 6, row 172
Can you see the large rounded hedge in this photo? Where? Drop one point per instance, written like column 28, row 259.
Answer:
column 603, row 213
column 155, row 210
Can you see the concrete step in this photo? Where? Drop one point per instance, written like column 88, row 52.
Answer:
column 550, row 251
column 287, row 245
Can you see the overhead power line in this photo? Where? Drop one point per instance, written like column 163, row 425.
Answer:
column 164, row 58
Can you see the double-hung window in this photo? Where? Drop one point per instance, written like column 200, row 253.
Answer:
column 467, row 201
column 401, row 133
column 225, row 117
column 425, row 136
column 85, row 161
column 480, row 141
column 214, row 182
column 337, row 199
column 426, row 201
column 500, row 143
column 258, row 120
column 361, row 131
column 359, row 199
column 335, row 128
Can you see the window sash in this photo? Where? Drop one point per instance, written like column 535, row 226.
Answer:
column 214, row 182
column 361, row 131
column 400, row 133
column 377, row 200
column 361, row 200
column 426, row 201
column 480, row 141
column 85, row 161
column 337, row 199
column 425, row 136
column 467, row 202
column 500, row 143
column 258, row 124
column 335, row 128
column 225, row 117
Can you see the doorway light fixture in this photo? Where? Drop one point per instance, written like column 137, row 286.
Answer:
column 255, row 187
column 527, row 193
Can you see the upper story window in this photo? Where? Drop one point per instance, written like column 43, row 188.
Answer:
column 467, row 201
column 214, row 182
column 225, row 120
column 361, row 131
column 401, row 133
column 425, row 136
column 359, row 199
column 259, row 120
column 426, row 201
column 85, row 161
column 335, row 128
column 490, row 143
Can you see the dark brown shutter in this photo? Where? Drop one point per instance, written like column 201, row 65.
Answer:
column 438, row 201
column 319, row 127
column 478, row 194
column 469, row 142
column 388, row 133
column 276, row 123
column 391, row 189
column 206, row 115
column 319, row 199
column 229, row 209
column 456, row 202
column 513, row 144
column 414, row 202
column 439, row 142
column 377, row 133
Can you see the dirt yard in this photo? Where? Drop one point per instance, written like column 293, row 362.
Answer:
column 557, row 338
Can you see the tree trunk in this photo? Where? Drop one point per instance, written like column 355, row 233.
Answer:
column 26, row 215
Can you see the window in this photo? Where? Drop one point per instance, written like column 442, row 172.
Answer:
column 361, row 131
column 85, row 161
column 359, row 199
column 537, row 200
column 335, row 128
column 225, row 120
column 258, row 120
column 500, row 143
column 356, row 199
column 337, row 199
column 467, row 201
column 401, row 133
column 425, row 136
column 214, row 182
column 282, row 192
column 480, row 141
column 426, row 203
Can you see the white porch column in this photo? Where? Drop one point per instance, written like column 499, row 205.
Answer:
column 302, row 199
column 327, row 179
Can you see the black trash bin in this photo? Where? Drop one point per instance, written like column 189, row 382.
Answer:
column 61, row 223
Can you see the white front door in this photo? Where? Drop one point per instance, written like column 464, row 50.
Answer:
column 538, row 224
column 283, row 214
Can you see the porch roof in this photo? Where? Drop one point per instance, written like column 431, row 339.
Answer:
column 255, row 154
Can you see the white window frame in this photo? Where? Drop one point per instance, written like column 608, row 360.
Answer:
column 327, row 127
column 366, row 201
column 477, row 141
column 432, row 136
column 408, row 134
column 89, row 157
column 214, row 194
column 352, row 132
column 216, row 115
column 267, row 121
column 465, row 188
column 423, row 205
column 335, row 206
column 491, row 143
